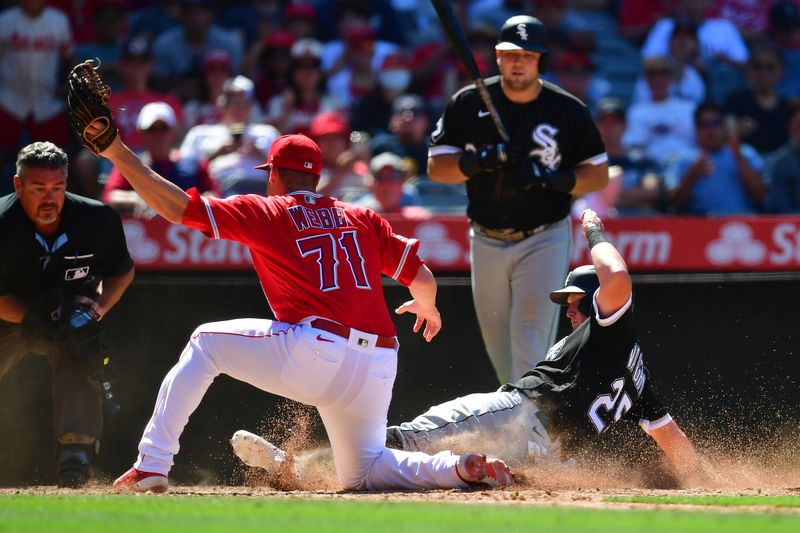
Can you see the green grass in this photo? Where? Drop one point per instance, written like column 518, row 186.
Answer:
column 199, row 514
column 725, row 501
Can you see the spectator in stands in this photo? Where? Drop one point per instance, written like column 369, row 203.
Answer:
column 664, row 126
column 136, row 64
column 354, row 21
column 389, row 190
column 108, row 19
column 719, row 177
column 641, row 190
column 153, row 20
column 635, row 18
column 267, row 63
column 179, row 51
column 719, row 38
column 372, row 113
column 35, row 41
column 784, row 19
column 217, row 69
column 343, row 168
column 207, row 141
column 333, row 17
column 760, row 109
column 157, row 124
column 306, row 94
column 411, row 124
column 355, row 75
column 784, row 169
column 684, row 52
column 235, row 170
column 575, row 73
column 434, row 64
column 300, row 19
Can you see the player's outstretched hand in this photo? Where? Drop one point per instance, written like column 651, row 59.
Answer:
column 95, row 128
column 589, row 219
column 429, row 315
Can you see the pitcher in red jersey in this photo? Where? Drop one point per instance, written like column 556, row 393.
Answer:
column 333, row 344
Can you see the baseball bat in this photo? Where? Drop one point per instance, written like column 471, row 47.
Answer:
column 455, row 34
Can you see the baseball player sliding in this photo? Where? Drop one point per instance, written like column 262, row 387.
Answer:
column 333, row 342
column 590, row 379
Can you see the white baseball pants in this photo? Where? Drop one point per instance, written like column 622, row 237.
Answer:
column 347, row 380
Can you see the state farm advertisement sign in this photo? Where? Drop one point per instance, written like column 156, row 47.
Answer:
column 685, row 244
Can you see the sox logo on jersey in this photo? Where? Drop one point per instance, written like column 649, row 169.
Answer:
column 548, row 153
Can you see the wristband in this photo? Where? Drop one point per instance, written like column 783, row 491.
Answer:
column 595, row 236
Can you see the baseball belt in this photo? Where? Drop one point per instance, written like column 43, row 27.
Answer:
column 508, row 234
column 343, row 331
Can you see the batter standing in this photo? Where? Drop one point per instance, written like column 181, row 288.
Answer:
column 333, row 344
column 519, row 192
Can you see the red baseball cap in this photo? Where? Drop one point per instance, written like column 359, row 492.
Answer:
column 295, row 152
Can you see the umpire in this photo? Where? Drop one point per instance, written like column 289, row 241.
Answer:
column 519, row 192
column 65, row 264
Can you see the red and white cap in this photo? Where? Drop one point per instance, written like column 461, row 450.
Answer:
column 295, row 152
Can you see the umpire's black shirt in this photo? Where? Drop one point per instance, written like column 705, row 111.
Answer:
column 556, row 129
column 88, row 245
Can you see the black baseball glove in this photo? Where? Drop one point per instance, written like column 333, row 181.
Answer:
column 87, row 100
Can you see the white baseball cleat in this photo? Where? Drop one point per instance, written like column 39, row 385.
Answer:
column 475, row 468
column 257, row 451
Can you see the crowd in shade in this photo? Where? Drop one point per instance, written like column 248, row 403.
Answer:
column 695, row 99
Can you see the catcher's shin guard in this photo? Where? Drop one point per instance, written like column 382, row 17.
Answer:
column 75, row 455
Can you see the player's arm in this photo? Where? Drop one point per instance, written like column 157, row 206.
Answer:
column 423, row 291
column 590, row 178
column 12, row 309
column 615, row 281
column 444, row 168
column 113, row 289
column 166, row 198
column 677, row 447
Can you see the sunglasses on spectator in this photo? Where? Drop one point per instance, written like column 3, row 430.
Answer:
column 305, row 65
column 390, row 174
column 158, row 128
column 658, row 72
column 769, row 67
column 710, row 123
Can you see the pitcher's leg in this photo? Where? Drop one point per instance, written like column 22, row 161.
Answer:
column 249, row 350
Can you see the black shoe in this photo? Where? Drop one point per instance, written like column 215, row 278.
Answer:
column 74, row 466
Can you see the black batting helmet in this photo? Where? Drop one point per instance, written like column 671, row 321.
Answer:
column 523, row 32
column 582, row 280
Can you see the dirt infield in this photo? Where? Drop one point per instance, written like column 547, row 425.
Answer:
column 592, row 498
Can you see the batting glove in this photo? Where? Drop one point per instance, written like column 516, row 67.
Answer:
column 533, row 174
column 489, row 158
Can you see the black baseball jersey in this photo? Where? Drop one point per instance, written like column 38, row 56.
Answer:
column 593, row 378
column 88, row 246
column 556, row 129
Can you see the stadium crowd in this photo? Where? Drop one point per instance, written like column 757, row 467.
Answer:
column 695, row 99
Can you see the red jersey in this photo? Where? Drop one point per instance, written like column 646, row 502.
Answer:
column 314, row 255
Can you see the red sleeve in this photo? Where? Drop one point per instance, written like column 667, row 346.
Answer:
column 241, row 218
column 399, row 259
column 115, row 182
